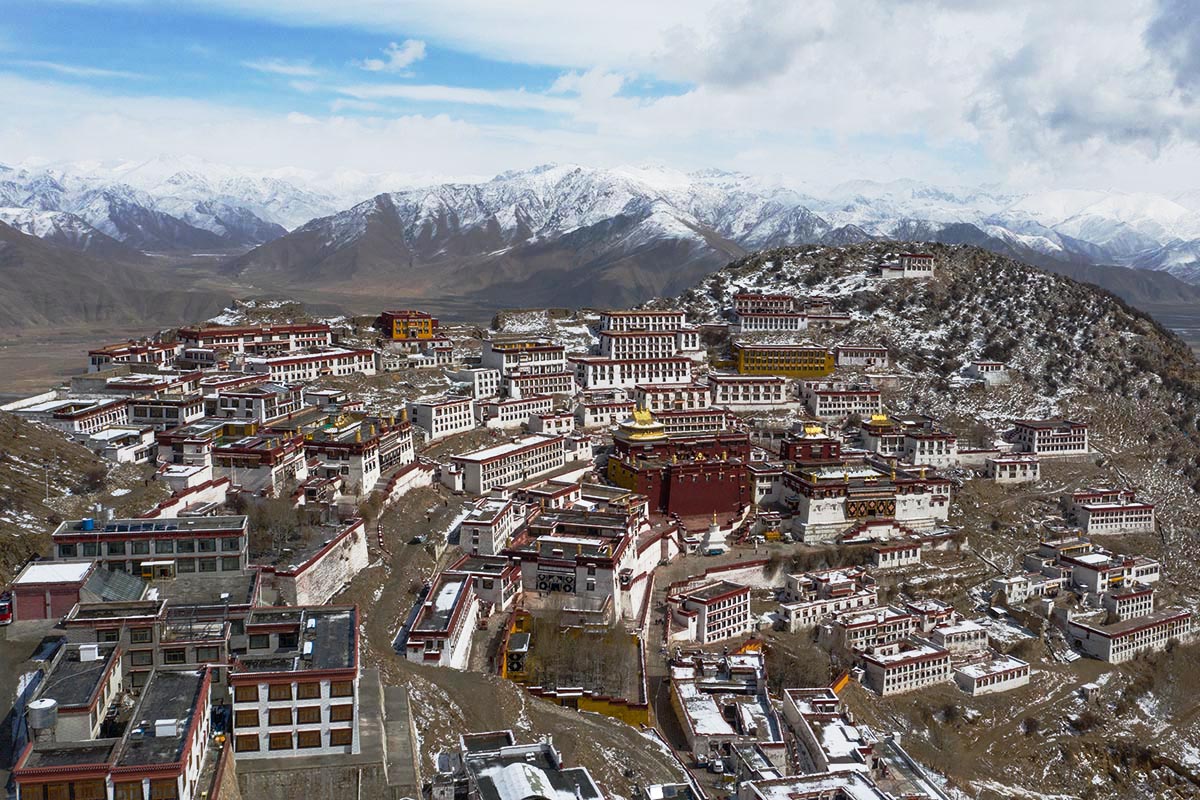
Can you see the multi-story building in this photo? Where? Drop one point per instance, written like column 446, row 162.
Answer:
column 361, row 450
column 849, row 355
column 513, row 412
column 858, row 631
column 893, row 556
column 408, row 324
column 770, row 321
column 479, row 382
column 1106, row 511
column 296, row 688
column 749, row 302
column 960, row 637
column 909, row 265
column 509, row 463
column 189, row 544
column 84, row 681
column 809, row 598
column 1014, row 468
column 535, row 384
column 643, row 320
column 600, row 373
column 789, row 360
column 558, row 423
column 440, row 634
column 836, row 399
column 146, row 352
column 442, row 416
column 256, row 339
column 1127, row 602
column 992, row 373
column 334, row 361
column 1051, row 437
column 262, row 464
column 709, row 612
column 490, row 523
column 78, row 415
column 531, row 356
column 261, row 403
column 828, row 499
column 749, row 392
column 933, row 448
column 904, row 666
column 162, row 753
column 657, row 398
column 999, row 674
column 636, row 345
column 166, row 411
column 594, row 413
column 1123, row 640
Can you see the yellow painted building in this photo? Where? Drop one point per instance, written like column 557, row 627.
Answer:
column 409, row 325
column 790, row 360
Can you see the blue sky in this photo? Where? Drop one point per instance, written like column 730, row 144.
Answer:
column 984, row 92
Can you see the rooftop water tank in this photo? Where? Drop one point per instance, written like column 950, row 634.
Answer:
column 87, row 524
column 42, row 714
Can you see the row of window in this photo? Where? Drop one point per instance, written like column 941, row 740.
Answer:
column 307, row 690
column 231, row 544
column 304, row 715
column 161, row 789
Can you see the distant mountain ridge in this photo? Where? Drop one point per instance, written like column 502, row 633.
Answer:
column 576, row 235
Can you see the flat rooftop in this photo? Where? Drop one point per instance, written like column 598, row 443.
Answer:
column 169, row 524
column 72, row 681
column 167, row 696
column 70, row 754
column 54, row 572
column 207, row 590
column 328, row 640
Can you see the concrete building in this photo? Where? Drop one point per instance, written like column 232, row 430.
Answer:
column 594, row 373
column 163, row 752
column 492, row 766
column 1051, row 437
column 749, row 392
column 335, row 361
column 709, row 612
column 440, row 634
column 513, row 412
column 1014, row 468
column 643, row 320
column 904, row 666
column 998, row 674
column 992, row 373
column 257, row 339
column 531, row 356
column 1123, row 640
column 837, row 399
column 509, row 463
column 1108, row 511
column 183, row 545
column 295, row 690
column 909, row 265
column 442, row 416
column 490, row 523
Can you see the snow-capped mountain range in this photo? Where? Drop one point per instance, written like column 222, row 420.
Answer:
column 598, row 217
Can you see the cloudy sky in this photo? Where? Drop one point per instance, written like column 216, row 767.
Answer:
column 1029, row 94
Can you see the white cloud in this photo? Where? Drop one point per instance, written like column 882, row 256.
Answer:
column 280, row 66
column 513, row 99
column 76, row 71
column 396, row 57
column 1089, row 93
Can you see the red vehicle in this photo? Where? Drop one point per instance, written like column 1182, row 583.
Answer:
column 5, row 608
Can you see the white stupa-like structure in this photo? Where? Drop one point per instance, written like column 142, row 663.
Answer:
column 714, row 539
